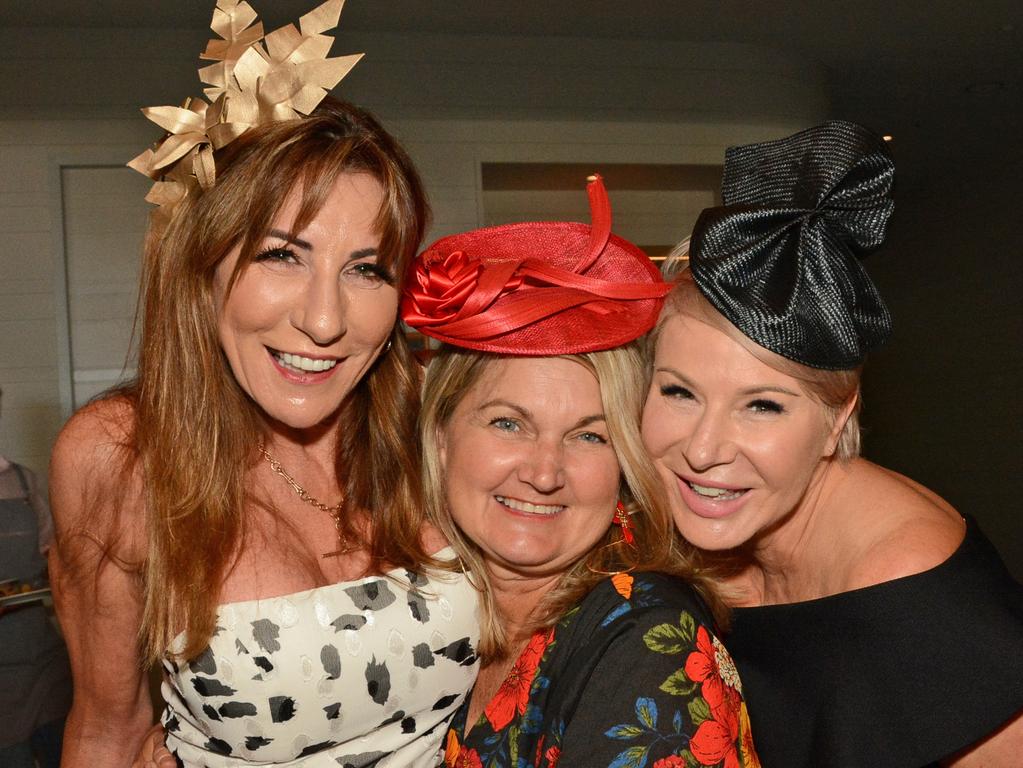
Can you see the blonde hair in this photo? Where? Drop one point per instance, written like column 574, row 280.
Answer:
column 834, row 390
column 194, row 430
column 622, row 379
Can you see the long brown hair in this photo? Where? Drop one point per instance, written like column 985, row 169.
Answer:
column 195, row 430
column 622, row 379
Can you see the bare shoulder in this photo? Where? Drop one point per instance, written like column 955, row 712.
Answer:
column 908, row 528
column 432, row 539
column 96, row 433
column 94, row 485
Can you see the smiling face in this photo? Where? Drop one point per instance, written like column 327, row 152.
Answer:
column 529, row 471
column 738, row 444
column 307, row 318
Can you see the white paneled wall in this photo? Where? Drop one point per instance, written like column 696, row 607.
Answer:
column 104, row 225
column 71, row 216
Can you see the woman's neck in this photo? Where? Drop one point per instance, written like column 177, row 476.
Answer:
column 516, row 598
column 788, row 562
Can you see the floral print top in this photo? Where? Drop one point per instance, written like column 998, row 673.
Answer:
column 633, row 677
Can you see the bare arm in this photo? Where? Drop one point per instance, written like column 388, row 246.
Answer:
column 97, row 592
column 154, row 752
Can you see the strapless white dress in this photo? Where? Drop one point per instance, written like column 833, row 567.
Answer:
column 360, row 673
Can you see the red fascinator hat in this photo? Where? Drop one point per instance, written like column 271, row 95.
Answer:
column 539, row 288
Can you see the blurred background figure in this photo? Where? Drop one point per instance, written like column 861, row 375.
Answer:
column 35, row 679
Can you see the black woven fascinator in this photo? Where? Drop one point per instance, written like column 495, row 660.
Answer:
column 780, row 258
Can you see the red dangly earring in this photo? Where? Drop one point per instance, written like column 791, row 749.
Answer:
column 621, row 519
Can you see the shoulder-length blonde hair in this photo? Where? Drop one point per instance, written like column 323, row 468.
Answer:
column 620, row 373
column 195, row 431
column 834, row 390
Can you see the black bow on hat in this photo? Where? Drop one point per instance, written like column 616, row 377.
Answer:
column 780, row 258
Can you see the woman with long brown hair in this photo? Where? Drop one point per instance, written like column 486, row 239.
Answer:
column 247, row 511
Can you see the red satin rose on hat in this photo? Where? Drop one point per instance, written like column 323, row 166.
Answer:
column 441, row 285
column 535, row 288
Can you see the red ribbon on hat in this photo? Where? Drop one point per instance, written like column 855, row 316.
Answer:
column 458, row 296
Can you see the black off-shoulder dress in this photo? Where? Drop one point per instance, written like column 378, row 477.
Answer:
column 896, row 675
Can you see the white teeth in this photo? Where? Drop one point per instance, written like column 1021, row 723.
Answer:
column 304, row 363
column 715, row 493
column 533, row 509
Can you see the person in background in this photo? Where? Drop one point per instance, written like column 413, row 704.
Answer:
column 875, row 625
column 598, row 644
column 35, row 678
column 250, row 505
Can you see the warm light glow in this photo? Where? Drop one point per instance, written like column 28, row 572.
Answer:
column 887, row 137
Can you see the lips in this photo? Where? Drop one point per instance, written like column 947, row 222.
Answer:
column 529, row 508
column 712, row 501
column 716, row 493
column 301, row 368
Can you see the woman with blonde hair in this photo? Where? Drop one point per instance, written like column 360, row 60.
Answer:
column 864, row 601
column 247, row 511
column 598, row 639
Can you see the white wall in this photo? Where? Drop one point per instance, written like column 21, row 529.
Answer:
column 71, row 99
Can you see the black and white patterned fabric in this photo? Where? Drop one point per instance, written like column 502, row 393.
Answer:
column 361, row 673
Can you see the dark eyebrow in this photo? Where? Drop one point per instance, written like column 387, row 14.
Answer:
column 290, row 238
column 747, row 392
column 362, row 253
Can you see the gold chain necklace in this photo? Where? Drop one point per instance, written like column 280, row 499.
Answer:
column 344, row 546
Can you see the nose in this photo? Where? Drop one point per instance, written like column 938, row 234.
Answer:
column 322, row 310
column 711, row 442
column 544, row 467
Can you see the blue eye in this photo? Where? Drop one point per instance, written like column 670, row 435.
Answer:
column 505, row 424
column 593, row 437
column 766, row 406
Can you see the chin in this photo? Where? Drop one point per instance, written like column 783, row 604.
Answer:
column 300, row 418
column 710, row 535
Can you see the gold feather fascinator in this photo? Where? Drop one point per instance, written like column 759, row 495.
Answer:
column 255, row 79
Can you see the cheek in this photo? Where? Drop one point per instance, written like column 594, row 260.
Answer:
column 372, row 314
column 474, row 466
column 251, row 306
column 595, row 481
column 787, row 460
column 661, row 428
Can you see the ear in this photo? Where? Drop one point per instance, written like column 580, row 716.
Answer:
column 841, row 419
column 441, row 438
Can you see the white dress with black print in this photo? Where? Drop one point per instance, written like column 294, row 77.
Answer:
column 361, row 673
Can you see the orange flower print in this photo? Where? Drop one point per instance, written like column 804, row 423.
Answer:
column 716, row 739
column 456, row 757
column 623, row 584
column 513, row 695
column 553, row 754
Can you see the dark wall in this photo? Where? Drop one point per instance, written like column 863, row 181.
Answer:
column 944, row 399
